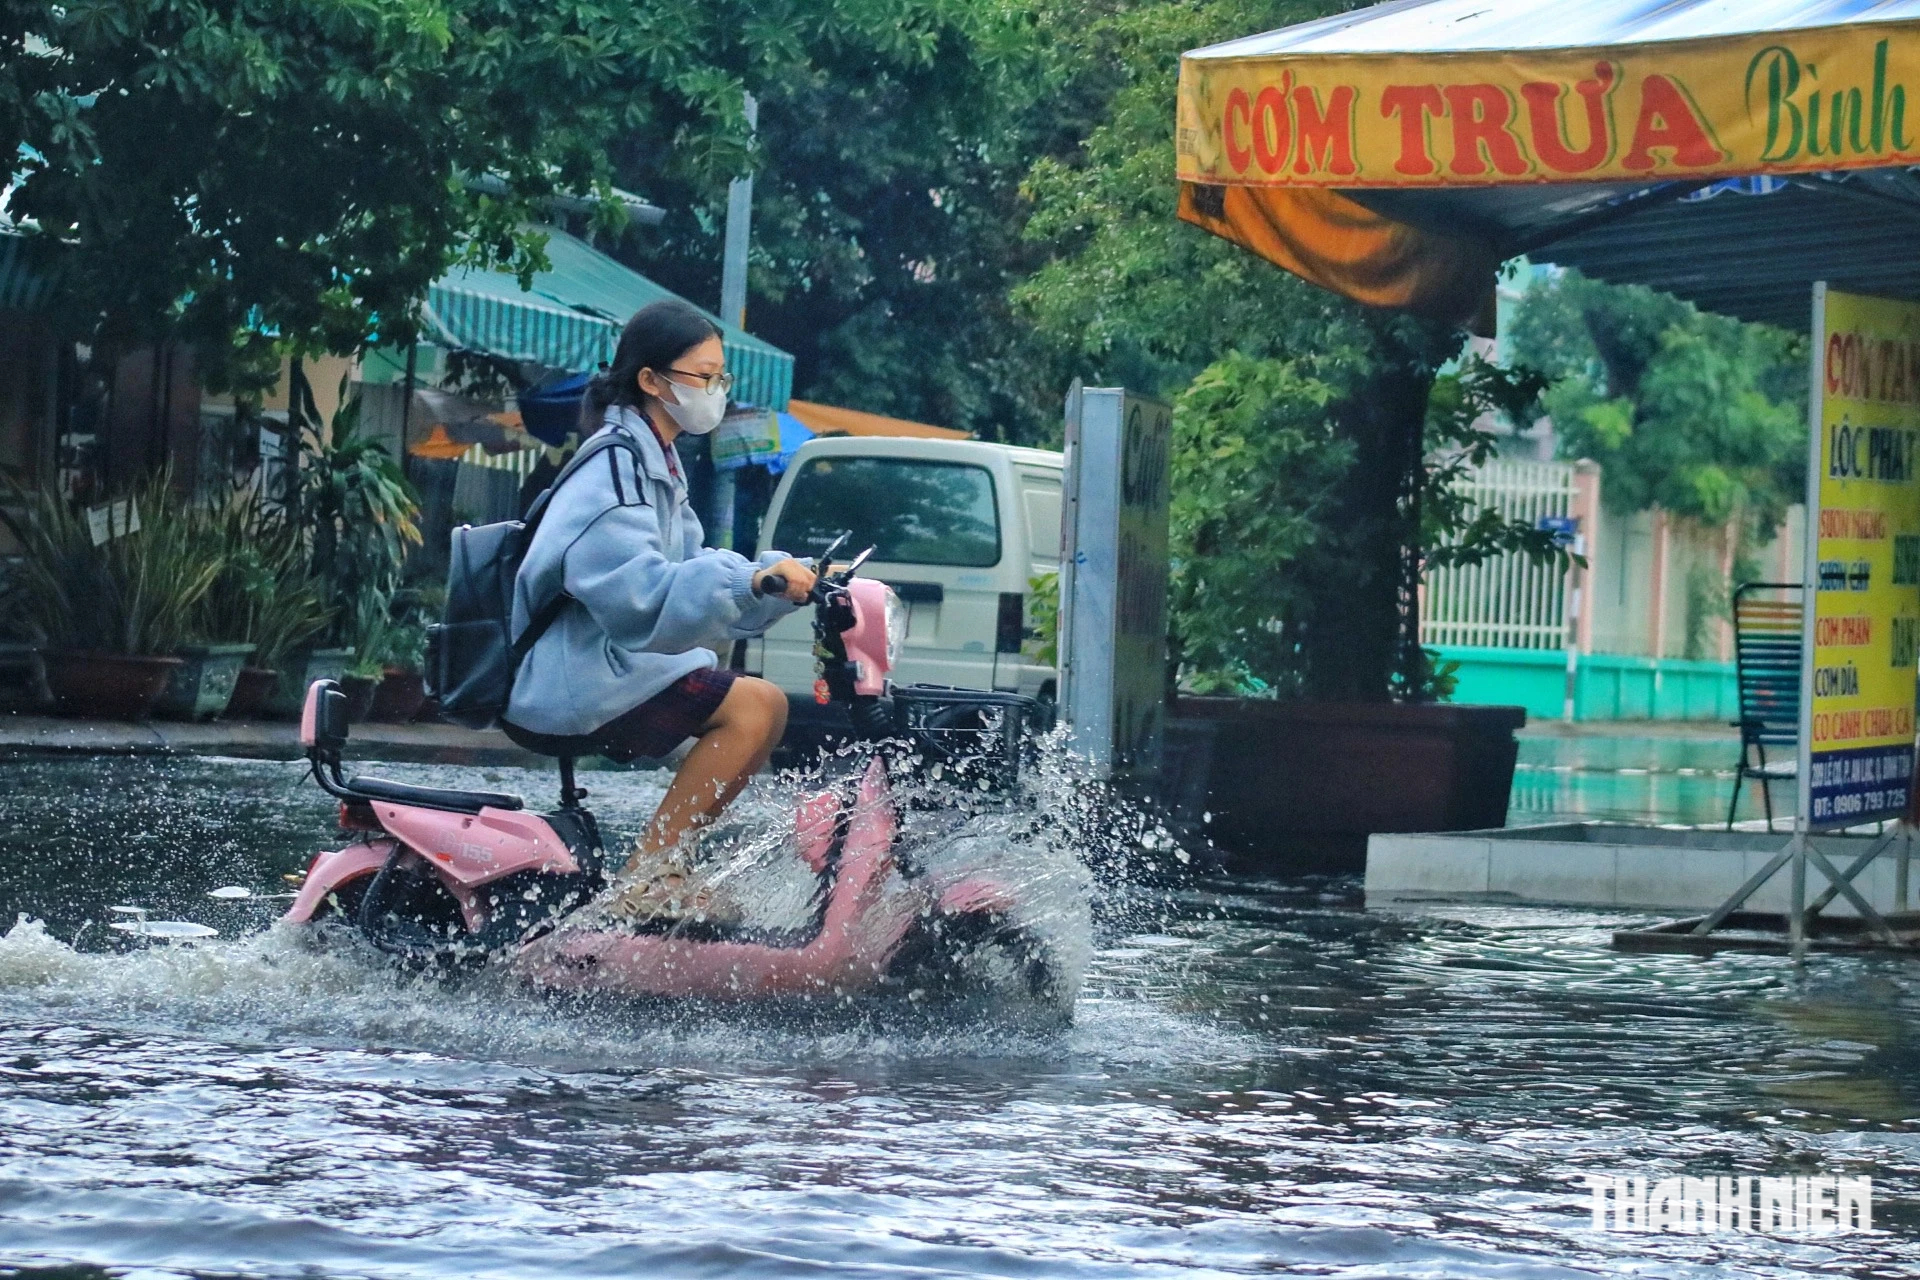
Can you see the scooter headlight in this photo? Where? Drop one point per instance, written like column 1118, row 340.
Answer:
column 896, row 628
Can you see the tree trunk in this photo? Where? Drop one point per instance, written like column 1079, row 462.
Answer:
column 1366, row 624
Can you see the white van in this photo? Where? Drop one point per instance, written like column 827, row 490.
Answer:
column 959, row 529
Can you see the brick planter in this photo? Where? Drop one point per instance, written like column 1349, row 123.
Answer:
column 1299, row 786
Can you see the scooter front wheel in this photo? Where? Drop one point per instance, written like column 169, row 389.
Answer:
column 413, row 916
column 984, row 961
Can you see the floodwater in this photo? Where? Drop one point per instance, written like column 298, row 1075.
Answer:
column 1259, row 1078
column 1673, row 777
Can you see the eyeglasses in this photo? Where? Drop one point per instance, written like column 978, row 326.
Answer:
column 708, row 380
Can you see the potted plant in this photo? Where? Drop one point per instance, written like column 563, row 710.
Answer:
column 358, row 515
column 201, row 686
column 261, row 604
column 402, row 689
column 110, row 594
column 1306, row 759
column 374, row 641
column 287, row 611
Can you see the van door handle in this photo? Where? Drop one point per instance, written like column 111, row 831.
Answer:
column 919, row 592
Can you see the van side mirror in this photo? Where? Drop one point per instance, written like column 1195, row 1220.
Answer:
column 323, row 720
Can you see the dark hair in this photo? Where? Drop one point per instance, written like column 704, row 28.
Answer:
column 657, row 336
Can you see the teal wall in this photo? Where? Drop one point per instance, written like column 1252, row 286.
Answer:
column 1607, row 686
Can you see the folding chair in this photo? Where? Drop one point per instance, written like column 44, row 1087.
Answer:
column 1767, row 633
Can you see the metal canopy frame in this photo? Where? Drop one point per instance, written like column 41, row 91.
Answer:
column 1747, row 249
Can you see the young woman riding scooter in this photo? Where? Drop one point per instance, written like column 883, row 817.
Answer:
column 624, row 670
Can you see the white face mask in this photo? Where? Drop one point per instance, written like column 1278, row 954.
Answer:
column 698, row 411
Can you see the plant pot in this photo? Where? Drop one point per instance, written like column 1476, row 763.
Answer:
column 202, row 685
column 429, row 712
column 20, row 684
column 359, row 691
column 251, row 689
column 299, row 670
column 106, row 686
column 1301, row 785
column 399, row 696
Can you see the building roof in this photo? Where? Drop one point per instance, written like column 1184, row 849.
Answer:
column 1454, row 26
column 831, row 420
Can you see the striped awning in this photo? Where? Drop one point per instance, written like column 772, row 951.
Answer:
column 571, row 316
column 25, row 283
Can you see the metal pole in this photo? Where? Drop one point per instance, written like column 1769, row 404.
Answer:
column 1797, row 904
column 1069, row 548
column 1900, row 869
column 1809, row 593
column 733, row 266
column 1574, row 581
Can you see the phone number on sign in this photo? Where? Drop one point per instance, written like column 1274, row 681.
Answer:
column 1850, row 804
column 1869, row 722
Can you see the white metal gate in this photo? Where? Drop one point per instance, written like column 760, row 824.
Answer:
column 1507, row 602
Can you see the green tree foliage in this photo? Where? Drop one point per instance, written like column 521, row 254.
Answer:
column 262, row 175
column 1454, row 529
column 1257, row 461
column 1305, row 485
column 887, row 222
column 1692, row 412
column 1130, row 293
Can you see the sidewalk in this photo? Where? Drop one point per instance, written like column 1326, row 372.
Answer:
column 1716, row 730
column 255, row 739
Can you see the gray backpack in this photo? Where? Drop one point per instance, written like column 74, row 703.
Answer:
column 473, row 655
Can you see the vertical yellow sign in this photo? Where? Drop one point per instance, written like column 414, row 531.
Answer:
column 1864, row 526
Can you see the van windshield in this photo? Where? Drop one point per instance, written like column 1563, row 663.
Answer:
column 910, row 512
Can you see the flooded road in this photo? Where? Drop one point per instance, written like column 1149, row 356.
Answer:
column 1682, row 773
column 1260, row 1078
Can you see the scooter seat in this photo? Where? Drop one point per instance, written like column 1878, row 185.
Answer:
column 432, row 797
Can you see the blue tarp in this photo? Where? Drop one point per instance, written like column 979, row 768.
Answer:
column 552, row 411
column 793, row 434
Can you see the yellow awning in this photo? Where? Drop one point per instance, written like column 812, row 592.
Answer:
column 1332, row 147
column 831, row 420
column 1268, row 112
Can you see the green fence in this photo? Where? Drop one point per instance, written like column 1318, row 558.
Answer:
column 1606, row 686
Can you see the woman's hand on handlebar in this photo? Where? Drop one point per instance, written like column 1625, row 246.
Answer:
column 787, row 578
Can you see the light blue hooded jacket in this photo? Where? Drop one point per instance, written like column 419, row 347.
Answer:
column 620, row 539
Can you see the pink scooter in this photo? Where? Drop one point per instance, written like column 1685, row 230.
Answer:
column 445, row 877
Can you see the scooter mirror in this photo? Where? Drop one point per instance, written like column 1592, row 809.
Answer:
column 323, row 722
column 853, row 568
column 824, row 561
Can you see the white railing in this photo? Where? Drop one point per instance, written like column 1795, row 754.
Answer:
column 520, row 461
column 1507, row 602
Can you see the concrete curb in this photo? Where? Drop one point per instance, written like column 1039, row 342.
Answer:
column 28, row 735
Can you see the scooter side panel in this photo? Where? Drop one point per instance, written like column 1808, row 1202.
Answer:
column 475, row 849
column 971, row 896
column 868, row 913
column 813, row 827
column 333, row 868
column 867, row 642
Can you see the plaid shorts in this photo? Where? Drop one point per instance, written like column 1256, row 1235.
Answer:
column 651, row 730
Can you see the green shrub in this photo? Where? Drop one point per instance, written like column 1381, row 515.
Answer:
column 263, row 594
column 1256, row 464
column 134, row 593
